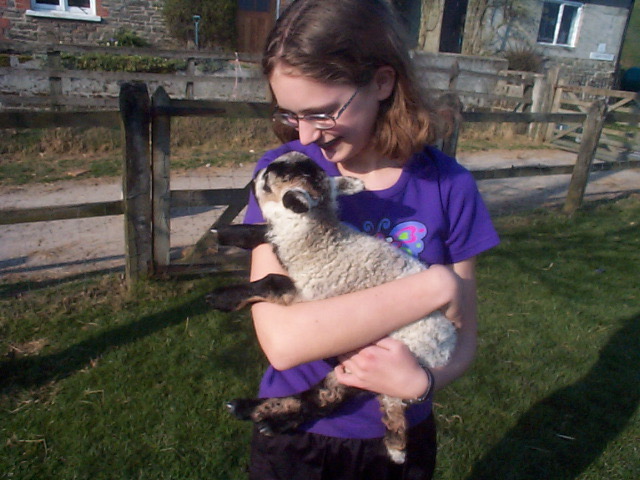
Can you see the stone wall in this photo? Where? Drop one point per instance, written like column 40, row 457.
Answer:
column 144, row 17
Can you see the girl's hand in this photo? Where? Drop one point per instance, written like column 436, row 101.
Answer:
column 387, row 367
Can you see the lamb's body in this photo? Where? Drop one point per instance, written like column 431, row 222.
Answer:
column 325, row 258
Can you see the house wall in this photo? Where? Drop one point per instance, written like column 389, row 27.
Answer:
column 593, row 59
column 144, row 17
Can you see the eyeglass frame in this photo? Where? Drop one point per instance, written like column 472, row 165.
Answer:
column 286, row 117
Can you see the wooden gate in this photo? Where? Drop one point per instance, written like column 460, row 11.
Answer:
column 620, row 139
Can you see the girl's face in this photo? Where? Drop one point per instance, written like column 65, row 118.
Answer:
column 348, row 141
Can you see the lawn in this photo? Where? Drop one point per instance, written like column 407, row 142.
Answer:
column 100, row 383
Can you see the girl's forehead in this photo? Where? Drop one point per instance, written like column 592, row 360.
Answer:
column 296, row 92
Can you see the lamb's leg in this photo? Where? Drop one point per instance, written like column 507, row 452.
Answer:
column 241, row 235
column 273, row 288
column 273, row 415
column 395, row 421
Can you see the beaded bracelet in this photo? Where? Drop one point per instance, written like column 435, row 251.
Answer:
column 423, row 398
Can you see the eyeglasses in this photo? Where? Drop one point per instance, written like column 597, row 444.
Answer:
column 321, row 121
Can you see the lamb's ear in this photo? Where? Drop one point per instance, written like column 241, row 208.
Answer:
column 348, row 185
column 298, row 201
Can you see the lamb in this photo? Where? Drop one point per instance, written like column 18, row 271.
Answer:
column 323, row 258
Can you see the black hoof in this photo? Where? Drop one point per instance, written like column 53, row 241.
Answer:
column 243, row 408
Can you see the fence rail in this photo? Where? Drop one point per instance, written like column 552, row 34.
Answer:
column 148, row 198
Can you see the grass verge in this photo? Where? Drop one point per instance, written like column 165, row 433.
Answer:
column 49, row 155
column 99, row 383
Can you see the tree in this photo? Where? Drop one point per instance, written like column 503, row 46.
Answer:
column 217, row 25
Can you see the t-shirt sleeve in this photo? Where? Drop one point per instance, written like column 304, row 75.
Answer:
column 253, row 213
column 471, row 230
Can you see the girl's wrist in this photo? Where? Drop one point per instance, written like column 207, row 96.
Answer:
column 427, row 391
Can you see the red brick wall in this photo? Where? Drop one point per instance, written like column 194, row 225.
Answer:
column 23, row 4
column 100, row 10
column 5, row 23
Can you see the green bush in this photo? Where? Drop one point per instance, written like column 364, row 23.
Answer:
column 524, row 59
column 127, row 38
column 122, row 63
column 217, row 26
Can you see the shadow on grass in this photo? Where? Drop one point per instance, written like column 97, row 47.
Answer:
column 559, row 437
column 36, row 371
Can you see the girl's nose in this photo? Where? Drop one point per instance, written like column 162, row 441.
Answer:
column 308, row 133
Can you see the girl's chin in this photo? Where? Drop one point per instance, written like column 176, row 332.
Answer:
column 332, row 152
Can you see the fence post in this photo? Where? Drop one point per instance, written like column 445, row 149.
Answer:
column 55, row 82
column 556, row 102
column 191, row 70
column 591, row 131
column 160, row 189
column 454, row 73
column 135, row 112
column 451, row 109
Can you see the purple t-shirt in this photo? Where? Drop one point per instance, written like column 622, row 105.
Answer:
column 435, row 212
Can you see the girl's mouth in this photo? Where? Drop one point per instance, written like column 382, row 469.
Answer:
column 328, row 145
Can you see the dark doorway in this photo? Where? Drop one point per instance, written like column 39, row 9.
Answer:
column 452, row 31
column 410, row 12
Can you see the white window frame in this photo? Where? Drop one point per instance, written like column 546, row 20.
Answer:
column 64, row 11
column 573, row 33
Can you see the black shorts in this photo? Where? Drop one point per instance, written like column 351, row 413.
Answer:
column 308, row 456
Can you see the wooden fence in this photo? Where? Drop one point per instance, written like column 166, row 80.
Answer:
column 621, row 136
column 148, row 198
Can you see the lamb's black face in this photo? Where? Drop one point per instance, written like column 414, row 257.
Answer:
column 292, row 172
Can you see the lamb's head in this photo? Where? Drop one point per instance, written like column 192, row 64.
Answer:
column 295, row 184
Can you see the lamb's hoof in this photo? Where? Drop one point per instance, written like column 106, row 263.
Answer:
column 265, row 429
column 397, row 456
column 243, row 408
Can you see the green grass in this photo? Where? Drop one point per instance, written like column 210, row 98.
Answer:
column 630, row 56
column 97, row 383
column 49, row 155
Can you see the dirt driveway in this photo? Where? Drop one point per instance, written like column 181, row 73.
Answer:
column 37, row 251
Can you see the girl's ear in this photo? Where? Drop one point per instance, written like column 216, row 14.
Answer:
column 384, row 81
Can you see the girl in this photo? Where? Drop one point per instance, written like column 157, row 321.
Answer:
column 345, row 95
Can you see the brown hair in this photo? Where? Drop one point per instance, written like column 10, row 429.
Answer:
column 346, row 41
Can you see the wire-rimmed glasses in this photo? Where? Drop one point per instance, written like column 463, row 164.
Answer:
column 321, row 121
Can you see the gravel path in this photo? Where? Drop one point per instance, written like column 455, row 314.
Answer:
column 45, row 250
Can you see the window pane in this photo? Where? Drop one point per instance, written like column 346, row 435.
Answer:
column 548, row 22
column 48, row 2
column 568, row 15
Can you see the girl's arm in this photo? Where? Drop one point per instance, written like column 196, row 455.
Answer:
column 303, row 332
column 387, row 366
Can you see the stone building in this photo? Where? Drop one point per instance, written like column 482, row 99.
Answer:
column 585, row 37
column 81, row 22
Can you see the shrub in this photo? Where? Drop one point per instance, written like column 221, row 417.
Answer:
column 217, row 26
column 127, row 38
column 121, row 63
column 524, row 59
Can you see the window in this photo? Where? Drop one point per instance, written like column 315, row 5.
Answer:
column 559, row 23
column 67, row 9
